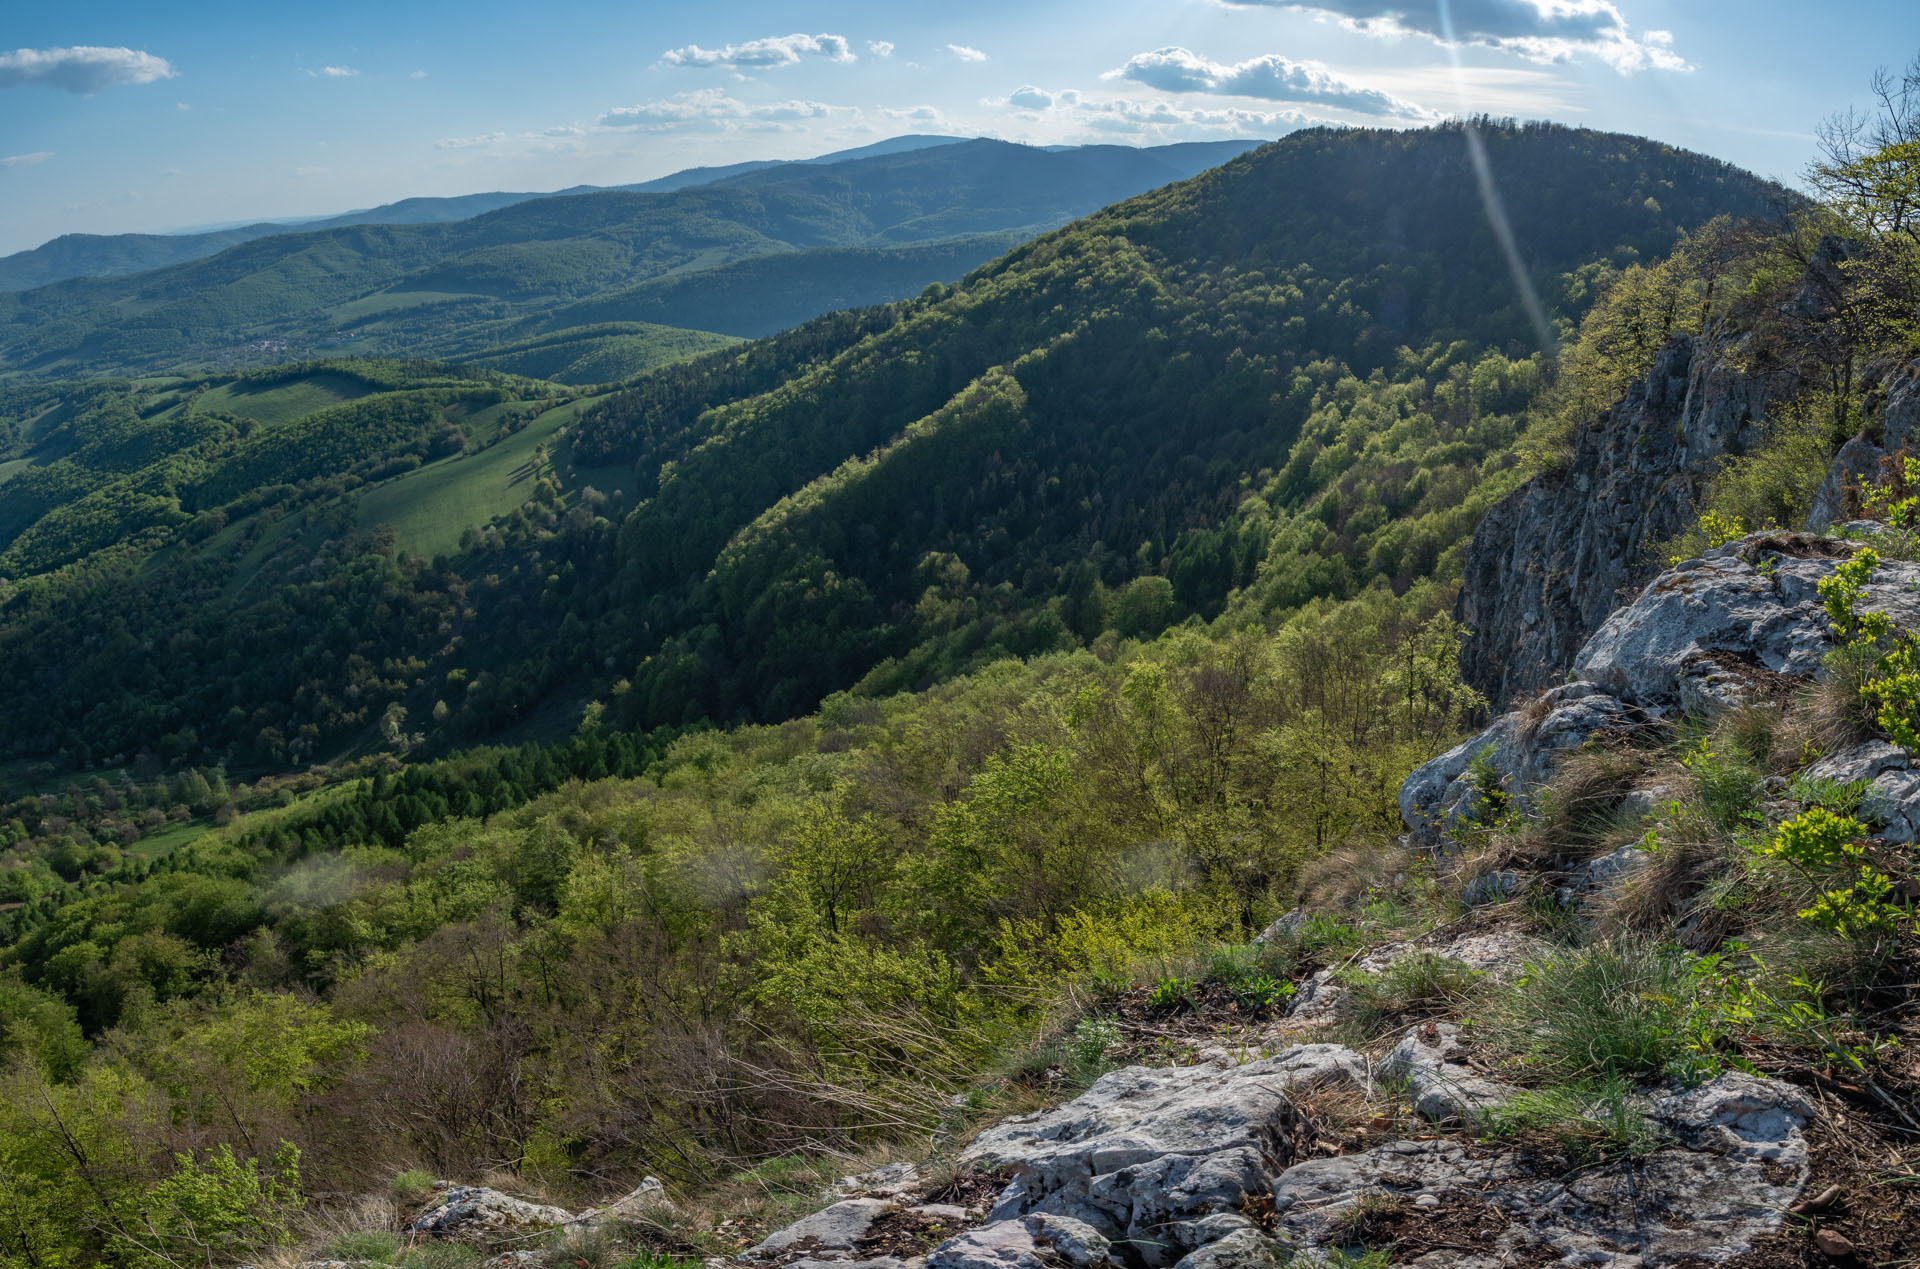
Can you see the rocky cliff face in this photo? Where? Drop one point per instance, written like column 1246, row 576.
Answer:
column 1551, row 561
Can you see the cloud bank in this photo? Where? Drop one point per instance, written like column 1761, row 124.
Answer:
column 777, row 50
column 709, row 109
column 1538, row 30
column 1268, row 78
column 84, row 69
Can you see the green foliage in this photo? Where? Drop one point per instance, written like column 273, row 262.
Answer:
column 412, row 1187
column 1621, row 1008
column 1093, row 1039
column 1593, row 1120
column 1728, row 781
column 1424, row 982
column 377, row 1245
column 1171, row 995
column 1818, row 838
column 218, row 1209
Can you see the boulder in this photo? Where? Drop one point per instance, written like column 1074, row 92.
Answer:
column 1602, row 875
column 1721, row 629
column 1152, row 1155
column 1428, row 1063
column 1892, row 801
column 475, row 1213
column 890, row 1181
column 1837, row 500
column 1493, row 887
column 1523, row 749
column 836, row 1228
column 1001, row 1245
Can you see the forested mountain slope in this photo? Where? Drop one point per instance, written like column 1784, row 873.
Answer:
column 450, row 288
column 113, row 255
column 1298, row 375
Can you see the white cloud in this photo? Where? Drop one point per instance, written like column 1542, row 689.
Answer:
column 1030, row 98
column 711, row 110
column 26, row 160
column 181, row 105
column 310, row 171
column 334, row 72
column 417, row 75
column 880, row 48
column 1142, row 118
column 1538, row 30
column 915, row 114
column 966, row 53
column 470, row 143
column 84, row 69
column 1268, row 78
column 778, row 50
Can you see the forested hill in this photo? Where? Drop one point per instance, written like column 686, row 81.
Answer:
column 454, row 288
column 1297, row 376
column 112, row 255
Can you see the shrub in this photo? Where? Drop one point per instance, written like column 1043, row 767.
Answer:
column 220, row 1208
column 439, row 1255
column 1093, row 1039
column 1170, row 994
column 1423, row 983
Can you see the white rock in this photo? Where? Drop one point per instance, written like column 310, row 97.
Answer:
column 838, row 1227
column 1076, row 1242
column 1147, row 1155
column 1004, row 1244
column 885, row 1182
column 1655, row 651
column 1736, row 1162
column 1442, row 1087
column 476, row 1212
column 1523, row 748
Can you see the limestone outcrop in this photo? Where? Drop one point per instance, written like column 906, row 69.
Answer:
column 1550, row 561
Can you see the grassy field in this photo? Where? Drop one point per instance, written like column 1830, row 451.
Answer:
column 431, row 506
column 169, row 840
column 283, row 402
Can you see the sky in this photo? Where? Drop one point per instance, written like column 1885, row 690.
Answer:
column 145, row 117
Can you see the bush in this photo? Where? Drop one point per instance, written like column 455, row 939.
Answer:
column 1170, row 994
column 220, row 1208
column 1422, row 983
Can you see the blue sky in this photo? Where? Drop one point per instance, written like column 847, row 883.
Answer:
column 118, row 117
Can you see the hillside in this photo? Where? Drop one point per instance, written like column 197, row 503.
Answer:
column 447, row 289
column 997, row 779
column 114, row 255
column 1272, row 383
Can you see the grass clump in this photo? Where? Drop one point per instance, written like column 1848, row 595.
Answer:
column 1422, row 985
column 1622, row 1008
column 364, row 1244
column 438, row 1255
column 412, row 1187
column 1592, row 1121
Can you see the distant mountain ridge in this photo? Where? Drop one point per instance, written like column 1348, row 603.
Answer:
column 116, row 255
column 452, row 289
